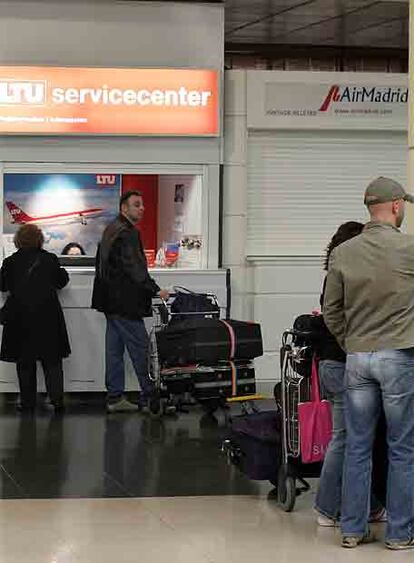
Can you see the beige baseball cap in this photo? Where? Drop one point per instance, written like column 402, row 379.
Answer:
column 383, row 190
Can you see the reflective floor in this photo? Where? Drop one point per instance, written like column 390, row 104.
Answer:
column 189, row 506
column 88, row 454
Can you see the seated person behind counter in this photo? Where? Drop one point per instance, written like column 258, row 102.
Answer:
column 73, row 249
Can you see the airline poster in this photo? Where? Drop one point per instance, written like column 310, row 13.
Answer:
column 71, row 209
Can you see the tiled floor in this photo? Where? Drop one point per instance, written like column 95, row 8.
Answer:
column 174, row 497
column 216, row 529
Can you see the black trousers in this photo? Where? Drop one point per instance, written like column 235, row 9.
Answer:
column 26, row 372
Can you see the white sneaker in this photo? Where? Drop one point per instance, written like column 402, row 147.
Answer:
column 121, row 406
column 326, row 522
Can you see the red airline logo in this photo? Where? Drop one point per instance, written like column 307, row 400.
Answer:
column 333, row 96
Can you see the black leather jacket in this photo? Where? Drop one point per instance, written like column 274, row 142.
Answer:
column 123, row 286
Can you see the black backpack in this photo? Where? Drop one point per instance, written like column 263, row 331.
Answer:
column 191, row 305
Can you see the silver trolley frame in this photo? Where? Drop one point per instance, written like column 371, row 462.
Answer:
column 295, row 389
column 162, row 315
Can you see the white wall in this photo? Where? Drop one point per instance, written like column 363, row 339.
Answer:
column 270, row 289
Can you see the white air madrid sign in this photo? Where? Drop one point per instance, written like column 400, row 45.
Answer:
column 331, row 104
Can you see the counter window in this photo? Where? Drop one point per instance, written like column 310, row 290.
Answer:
column 73, row 210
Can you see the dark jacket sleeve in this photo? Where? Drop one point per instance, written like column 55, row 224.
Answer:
column 4, row 282
column 60, row 277
column 333, row 304
column 134, row 266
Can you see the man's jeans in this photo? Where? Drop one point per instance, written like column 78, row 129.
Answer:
column 386, row 376
column 132, row 335
column 328, row 498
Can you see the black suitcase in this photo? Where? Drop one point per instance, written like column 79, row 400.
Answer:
column 254, row 445
column 224, row 381
column 208, row 341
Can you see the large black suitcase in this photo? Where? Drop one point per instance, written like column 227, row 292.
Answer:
column 224, row 381
column 254, row 444
column 208, row 341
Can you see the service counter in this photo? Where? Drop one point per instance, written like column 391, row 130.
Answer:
column 85, row 368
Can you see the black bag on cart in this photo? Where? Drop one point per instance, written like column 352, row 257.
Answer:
column 189, row 304
column 208, row 341
column 254, row 444
column 224, row 381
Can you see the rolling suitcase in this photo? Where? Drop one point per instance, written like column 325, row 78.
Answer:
column 254, row 445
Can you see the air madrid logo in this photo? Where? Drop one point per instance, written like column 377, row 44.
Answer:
column 364, row 94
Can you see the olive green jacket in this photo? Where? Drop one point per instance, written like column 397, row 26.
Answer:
column 369, row 297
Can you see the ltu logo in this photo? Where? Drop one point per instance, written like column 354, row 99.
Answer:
column 106, row 179
column 29, row 92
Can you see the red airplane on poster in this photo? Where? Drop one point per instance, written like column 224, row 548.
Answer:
column 19, row 217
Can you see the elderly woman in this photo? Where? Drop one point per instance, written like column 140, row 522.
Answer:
column 34, row 326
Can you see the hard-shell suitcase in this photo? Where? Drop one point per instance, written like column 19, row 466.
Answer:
column 224, row 381
column 254, row 444
column 208, row 341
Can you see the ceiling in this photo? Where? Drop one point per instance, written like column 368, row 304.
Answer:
column 380, row 24
column 350, row 24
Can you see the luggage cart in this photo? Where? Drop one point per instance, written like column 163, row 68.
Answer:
column 295, row 362
column 174, row 386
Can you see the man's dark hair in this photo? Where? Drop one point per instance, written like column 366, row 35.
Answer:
column 345, row 232
column 127, row 195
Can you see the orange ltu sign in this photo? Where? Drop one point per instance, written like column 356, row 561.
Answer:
column 110, row 101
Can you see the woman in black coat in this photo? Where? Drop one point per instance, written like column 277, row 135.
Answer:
column 34, row 326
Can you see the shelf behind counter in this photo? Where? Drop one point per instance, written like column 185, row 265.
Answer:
column 85, row 368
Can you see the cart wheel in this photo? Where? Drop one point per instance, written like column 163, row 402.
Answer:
column 286, row 490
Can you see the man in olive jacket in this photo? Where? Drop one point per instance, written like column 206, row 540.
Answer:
column 123, row 290
column 369, row 307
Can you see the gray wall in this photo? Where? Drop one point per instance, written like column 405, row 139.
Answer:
column 109, row 33
column 105, row 33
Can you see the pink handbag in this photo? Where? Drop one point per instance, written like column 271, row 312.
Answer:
column 315, row 423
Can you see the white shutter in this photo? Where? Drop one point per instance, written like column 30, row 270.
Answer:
column 303, row 185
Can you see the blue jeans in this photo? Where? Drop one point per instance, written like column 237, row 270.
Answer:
column 328, row 498
column 132, row 335
column 373, row 378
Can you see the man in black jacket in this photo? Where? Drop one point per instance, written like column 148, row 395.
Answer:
column 123, row 290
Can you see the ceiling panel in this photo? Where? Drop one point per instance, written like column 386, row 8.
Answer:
column 343, row 23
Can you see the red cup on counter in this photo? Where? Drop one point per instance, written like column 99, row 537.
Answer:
column 150, row 256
